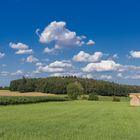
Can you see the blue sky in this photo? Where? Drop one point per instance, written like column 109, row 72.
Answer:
column 90, row 38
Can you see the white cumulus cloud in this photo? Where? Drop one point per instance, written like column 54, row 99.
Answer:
column 105, row 77
column 29, row 51
column 4, row 73
column 17, row 73
column 21, row 48
column 32, row 59
column 58, row 34
column 90, row 42
column 86, row 57
column 39, row 64
column 2, row 55
column 48, row 50
column 119, row 75
column 57, row 66
column 60, row 64
column 104, row 65
column 49, row 69
column 135, row 54
column 134, row 77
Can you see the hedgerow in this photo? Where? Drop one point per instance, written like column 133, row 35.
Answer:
column 10, row 100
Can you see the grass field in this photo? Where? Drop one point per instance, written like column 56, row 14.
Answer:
column 73, row 120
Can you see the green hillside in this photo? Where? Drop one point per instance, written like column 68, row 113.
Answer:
column 58, row 85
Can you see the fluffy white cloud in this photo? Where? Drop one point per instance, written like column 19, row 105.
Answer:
column 2, row 55
column 29, row 51
column 119, row 75
column 83, row 75
column 4, row 73
column 32, row 59
column 135, row 77
column 105, row 77
column 135, row 54
column 60, row 64
column 48, row 50
column 59, row 74
column 129, row 68
column 39, row 64
column 62, row 37
column 21, row 48
column 57, row 66
column 115, row 56
column 90, row 42
column 49, row 69
column 104, row 65
column 86, row 57
column 17, row 73
column 56, row 31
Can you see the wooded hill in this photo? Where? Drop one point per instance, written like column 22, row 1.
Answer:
column 58, row 85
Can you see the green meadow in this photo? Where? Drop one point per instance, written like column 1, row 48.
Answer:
column 71, row 120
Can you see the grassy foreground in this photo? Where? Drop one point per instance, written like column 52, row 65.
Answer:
column 73, row 120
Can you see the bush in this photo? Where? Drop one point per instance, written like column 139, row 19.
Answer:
column 116, row 99
column 5, row 100
column 83, row 97
column 74, row 90
column 93, row 97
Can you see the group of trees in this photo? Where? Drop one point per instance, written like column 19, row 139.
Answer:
column 64, row 85
column 74, row 90
column 4, row 88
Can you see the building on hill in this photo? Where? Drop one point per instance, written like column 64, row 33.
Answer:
column 134, row 99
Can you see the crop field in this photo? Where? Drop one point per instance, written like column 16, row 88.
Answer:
column 16, row 98
column 9, row 93
column 72, row 120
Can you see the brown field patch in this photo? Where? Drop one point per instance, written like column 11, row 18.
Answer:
column 9, row 93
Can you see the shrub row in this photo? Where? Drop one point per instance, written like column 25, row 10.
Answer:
column 95, row 97
column 7, row 100
column 116, row 99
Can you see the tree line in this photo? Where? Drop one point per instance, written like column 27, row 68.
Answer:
column 4, row 88
column 59, row 85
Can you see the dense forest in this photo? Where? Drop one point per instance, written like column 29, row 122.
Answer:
column 58, row 85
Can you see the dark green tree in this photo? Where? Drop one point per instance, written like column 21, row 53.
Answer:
column 22, row 86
